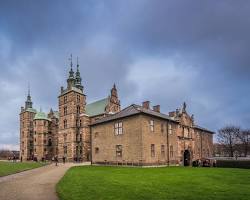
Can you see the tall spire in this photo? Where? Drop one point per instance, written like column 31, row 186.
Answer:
column 28, row 102
column 71, row 79
column 71, row 72
column 78, row 76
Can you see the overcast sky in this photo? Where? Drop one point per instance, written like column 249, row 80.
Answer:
column 164, row 51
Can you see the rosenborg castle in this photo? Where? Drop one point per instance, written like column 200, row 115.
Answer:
column 104, row 133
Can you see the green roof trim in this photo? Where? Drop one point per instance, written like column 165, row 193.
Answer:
column 97, row 107
column 31, row 110
column 41, row 115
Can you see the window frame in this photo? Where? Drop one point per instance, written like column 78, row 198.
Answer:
column 152, row 125
column 118, row 150
column 118, row 128
column 152, row 148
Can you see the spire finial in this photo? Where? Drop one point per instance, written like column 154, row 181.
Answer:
column 71, row 64
column 28, row 88
column 77, row 63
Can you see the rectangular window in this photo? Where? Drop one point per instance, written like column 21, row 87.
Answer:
column 65, row 149
column 151, row 125
column 78, row 109
column 78, row 98
column 96, row 150
column 65, row 123
column 152, row 150
column 162, row 150
column 118, row 128
column 171, row 151
column 170, row 129
column 119, row 151
column 65, row 110
column 65, row 99
column 162, row 127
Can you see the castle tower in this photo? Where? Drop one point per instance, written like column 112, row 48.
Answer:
column 41, row 135
column 72, row 103
column 27, row 115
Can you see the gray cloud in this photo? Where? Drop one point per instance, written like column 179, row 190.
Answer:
column 164, row 51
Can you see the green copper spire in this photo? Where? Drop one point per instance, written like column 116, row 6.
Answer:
column 78, row 77
column 28, row 102
column 71, row 79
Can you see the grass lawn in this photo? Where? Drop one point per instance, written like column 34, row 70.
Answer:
column 7, row 168
column 81, row 183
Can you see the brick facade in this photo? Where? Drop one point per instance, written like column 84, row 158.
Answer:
column 103, row 133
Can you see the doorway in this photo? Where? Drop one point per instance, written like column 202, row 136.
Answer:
column 186, row 158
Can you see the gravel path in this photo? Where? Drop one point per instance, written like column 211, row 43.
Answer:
column 35, row 184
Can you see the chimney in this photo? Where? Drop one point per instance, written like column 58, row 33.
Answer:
column 146, row 104
column 156, row 108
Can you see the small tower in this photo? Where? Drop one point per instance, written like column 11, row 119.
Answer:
column 71, row 79
column 78, row 79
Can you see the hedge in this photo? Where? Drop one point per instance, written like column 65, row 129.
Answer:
column 234, row 163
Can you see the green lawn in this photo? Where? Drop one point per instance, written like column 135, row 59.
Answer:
column 7, row 168
column 81, row 183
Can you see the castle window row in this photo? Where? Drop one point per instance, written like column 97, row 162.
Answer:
column 119, row 149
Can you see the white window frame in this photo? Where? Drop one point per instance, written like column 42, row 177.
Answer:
column 118, row 127
column 170, row 129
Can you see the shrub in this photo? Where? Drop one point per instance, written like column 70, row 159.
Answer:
column 234, row 163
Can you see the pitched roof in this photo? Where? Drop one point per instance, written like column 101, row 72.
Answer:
column 41, row 115
column 72, row 89
column 97, row 107
column 132, row 110
column 31, row 110
column 203, row 129
column 136, row 109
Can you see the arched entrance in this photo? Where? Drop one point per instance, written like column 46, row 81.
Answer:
column 186, row 158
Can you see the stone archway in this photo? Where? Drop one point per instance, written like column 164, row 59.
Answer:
column 186, row 156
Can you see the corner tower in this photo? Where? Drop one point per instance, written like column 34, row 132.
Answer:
column 72, row 101
column 27, row 115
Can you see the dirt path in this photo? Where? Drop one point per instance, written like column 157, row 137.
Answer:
column 36, row 184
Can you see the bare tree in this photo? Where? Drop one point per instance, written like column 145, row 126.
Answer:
column 227, row 136
column 244, row 139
